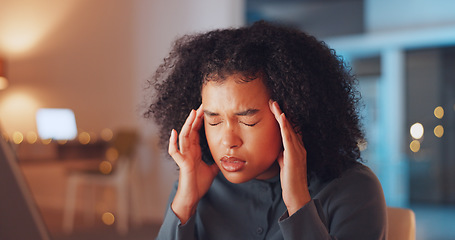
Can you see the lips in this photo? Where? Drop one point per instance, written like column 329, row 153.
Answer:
column 232, row 164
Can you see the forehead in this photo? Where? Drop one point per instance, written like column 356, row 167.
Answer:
column 234, row 93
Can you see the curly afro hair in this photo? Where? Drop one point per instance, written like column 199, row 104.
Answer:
column 308, row 80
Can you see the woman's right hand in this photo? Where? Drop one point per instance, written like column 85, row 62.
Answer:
column 195, row 176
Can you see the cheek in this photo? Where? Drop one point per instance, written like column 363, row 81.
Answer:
column 210, row 135
column 268, row 141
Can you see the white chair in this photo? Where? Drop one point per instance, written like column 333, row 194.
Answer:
column 119, row 179
column 401, row 224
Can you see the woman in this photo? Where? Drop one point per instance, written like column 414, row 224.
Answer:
column 271, row 151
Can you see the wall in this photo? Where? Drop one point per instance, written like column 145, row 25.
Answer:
column 383, row 15
column 94, row 57
column 67, row 54
column 405, row 36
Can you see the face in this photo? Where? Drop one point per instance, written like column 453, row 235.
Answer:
column 242, row 133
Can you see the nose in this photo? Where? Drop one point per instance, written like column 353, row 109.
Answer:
column 230, row 138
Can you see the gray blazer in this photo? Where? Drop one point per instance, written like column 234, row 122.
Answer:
column 350, row 207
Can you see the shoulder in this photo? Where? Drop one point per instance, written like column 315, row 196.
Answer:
column 360, row 178
column 359, row 174
column 356, row 184
column 358, row 181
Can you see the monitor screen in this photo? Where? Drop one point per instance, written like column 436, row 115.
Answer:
column 56, row 123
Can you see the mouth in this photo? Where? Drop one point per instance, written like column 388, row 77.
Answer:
column 232, row 164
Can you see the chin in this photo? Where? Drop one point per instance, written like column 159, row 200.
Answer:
column 236, row 178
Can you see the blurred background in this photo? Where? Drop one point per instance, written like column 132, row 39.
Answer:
column 92, row 59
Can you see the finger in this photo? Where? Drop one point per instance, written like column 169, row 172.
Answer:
column 186, row 128
column 294, row 152
column 284, row 123
column 197, row 124
column 185, row 132
column 294, row 137
column 287, row 131
column 286, row 135
column 299, row 143
column 173, row 150
column 300, row 139
column 275, row 108
column 291, row 140
column 280, row 117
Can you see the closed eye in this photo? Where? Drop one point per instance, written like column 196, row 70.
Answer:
column 214, row 124
column 249, row 124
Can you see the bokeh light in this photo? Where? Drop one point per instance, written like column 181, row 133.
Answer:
column 107, row 134
column 84, row 138
column 108, row 218
column 105, row 167
column 18, row 108
column 31, row 137
column 46, row 141
column 17, row 137
column 439, row 112
column 414, row 146
column 439, row 131
column 111, row 154
column 416, row 130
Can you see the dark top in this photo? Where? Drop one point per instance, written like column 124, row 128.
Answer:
column 350, row 207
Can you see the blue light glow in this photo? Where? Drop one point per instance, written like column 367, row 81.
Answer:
column 56, row 123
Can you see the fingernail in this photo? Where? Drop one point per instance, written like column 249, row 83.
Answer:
column 283, row 117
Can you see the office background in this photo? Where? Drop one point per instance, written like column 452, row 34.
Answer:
column 94, row 57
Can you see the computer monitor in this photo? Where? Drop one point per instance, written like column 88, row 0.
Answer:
column 56, row 123
column 19, row 215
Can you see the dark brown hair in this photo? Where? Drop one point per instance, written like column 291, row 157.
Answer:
column 309, row 81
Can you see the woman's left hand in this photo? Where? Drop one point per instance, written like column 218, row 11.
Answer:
column 292, row 161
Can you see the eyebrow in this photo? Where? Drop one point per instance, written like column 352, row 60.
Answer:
column 247, row 112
